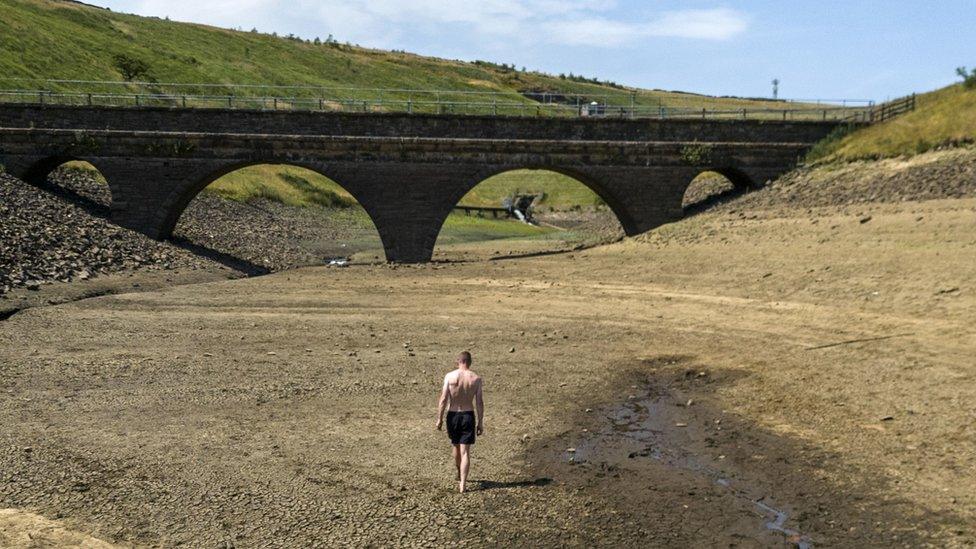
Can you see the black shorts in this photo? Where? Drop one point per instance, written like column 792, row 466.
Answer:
column 461, row 427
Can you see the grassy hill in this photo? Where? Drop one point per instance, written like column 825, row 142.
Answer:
column 57, row 39
column 67, row 40
column 944, row 117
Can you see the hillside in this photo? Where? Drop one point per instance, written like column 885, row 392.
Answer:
column 51, row 39
column 945, row 117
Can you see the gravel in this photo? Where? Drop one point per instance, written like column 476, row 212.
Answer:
column 931, row 176
column 63, row 236
column 269, row 236
column 61, row 232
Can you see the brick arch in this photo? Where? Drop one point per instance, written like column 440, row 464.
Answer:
column 177, row 200
column 37, row 170
column 741, row 180
column 588, row 180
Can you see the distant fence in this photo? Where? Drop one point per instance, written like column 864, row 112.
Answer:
column 493, row 108
column 480, row 211
column 375, row 100
column 891, row 109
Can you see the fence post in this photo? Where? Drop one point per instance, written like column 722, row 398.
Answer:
column 184, row 101
column 409, row 106
column 137, row 98
column 321, row 104
column 89, row 100
column 230, row 101
column 40, row 96
column 743, row 114
column 275, row 103
column 784, row 116
column 825, row 115
column 633, row 103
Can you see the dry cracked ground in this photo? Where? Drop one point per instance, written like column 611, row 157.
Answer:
column 799, row 375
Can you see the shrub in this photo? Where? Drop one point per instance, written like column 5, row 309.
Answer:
column 826, row 146
column 968, row 77
column 696, row 155
column 130, row 67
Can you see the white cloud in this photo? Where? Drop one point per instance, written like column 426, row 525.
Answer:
column 717, row 24
column 515, row 23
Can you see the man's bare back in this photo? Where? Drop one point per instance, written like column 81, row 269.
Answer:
column 462, row 397
column 462, row 386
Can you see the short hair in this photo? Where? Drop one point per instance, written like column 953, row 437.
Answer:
column 464, row 357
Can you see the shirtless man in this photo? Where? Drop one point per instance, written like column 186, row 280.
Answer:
column 462, row 395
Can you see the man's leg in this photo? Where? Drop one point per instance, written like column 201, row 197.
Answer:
column 464, row 465
column 457, row 461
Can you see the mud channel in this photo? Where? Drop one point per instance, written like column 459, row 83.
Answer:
column 641, row 425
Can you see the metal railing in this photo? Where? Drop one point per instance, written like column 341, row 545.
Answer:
column 493, row 108
column 419, row 101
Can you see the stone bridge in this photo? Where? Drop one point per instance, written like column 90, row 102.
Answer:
column 407, row 170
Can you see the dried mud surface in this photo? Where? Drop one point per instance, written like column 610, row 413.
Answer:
column 817, row 361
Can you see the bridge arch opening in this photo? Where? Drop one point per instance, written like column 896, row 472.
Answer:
column 73, row 179
column 269, row 217
column 524, row 211
column 714, row 187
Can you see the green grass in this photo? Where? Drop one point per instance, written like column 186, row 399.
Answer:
column 945, row 117
column 459, row 227
column 53, row 39
column 286, row 184
column 559, row 191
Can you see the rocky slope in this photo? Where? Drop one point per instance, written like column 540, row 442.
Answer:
column 61, row 233
column 54, row 236
column 941, row 174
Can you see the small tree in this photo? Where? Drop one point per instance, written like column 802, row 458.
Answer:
column 968, row 77
column 130, row 67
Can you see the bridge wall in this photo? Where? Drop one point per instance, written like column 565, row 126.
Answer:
column 410, row 125
column 408, row 182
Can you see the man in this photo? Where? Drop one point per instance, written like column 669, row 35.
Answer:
column 461, row 395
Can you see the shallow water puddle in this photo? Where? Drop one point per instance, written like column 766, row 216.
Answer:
column 645, row 421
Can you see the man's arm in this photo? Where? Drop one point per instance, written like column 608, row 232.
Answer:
column 479, row 403
column 442, row 403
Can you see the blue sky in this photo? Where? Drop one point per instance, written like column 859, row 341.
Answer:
column 817, row 48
